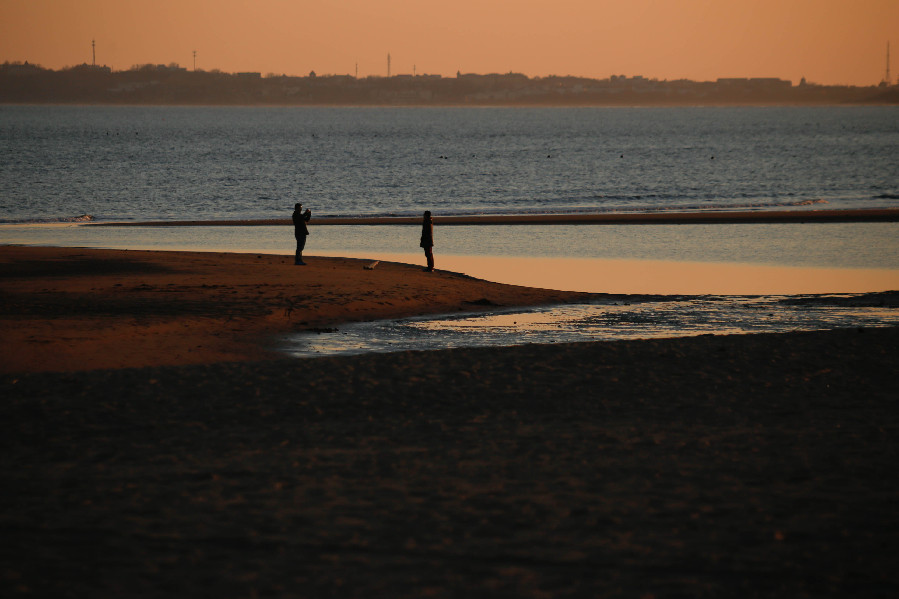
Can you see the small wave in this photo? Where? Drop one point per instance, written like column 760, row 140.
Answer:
column 807, row 203
column 82, row 218
column 709, row 204
column 887, row 196
column 626, row 205
column 618, row 204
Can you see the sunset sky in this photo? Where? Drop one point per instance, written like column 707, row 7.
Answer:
column 825, row 41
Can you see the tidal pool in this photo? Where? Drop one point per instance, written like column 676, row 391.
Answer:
column 603, row 320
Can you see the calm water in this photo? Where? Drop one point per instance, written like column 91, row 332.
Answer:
column 599, row 321
column 171, row 163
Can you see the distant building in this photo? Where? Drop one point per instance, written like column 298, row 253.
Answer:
column 19, row 68
column 90, row 68
column 755, row 82
column 173, row 67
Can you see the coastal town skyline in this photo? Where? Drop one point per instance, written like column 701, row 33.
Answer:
column 826, row 42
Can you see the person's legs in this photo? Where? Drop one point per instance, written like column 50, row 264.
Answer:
column 429, row 254
column 301, row 243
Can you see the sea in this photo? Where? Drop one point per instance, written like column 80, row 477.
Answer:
column 64, row 170
column 212, row 163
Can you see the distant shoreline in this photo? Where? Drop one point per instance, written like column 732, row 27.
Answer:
column 672, row 218
column 152, row 84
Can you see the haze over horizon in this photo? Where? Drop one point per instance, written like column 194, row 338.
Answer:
column 832, row 42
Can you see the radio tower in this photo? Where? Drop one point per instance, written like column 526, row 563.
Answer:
column 888, row 80
column 388, row 65
column 94, row 53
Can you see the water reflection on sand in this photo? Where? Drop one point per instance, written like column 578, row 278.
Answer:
column 603, row 320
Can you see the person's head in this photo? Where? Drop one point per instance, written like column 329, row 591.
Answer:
column 298, row 207
column 427, row 215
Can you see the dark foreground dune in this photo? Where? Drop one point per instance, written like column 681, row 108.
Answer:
column 756, row 465
column 759, row 465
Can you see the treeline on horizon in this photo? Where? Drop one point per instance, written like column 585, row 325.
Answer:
column 24, row 83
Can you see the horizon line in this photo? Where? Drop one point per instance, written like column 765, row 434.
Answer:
column 174, row 66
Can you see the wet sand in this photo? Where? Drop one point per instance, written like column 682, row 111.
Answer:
column 755, row 465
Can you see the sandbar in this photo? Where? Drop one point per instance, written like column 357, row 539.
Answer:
column 643, row 218
column 81, row 309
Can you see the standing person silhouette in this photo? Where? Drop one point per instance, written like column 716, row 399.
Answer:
column 427, row 239
column 300, row 231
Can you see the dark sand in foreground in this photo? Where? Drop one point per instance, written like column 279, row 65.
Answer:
column 757, row 465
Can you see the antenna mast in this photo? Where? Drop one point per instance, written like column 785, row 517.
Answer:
column 888, row 80
column 195, row 60
column 94, row 53
column 388, row 65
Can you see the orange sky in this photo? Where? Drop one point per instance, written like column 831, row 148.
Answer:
column 826, row 41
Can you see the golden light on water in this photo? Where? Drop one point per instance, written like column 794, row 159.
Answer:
column 662, row 277
column 597, row 275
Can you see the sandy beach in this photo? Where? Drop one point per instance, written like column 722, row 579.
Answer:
column 85, row 309
column 156, row 446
